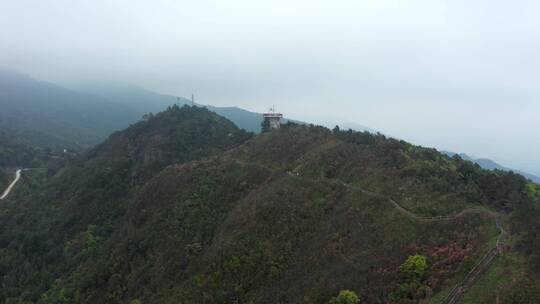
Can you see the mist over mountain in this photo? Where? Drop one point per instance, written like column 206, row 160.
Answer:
column 146, row 101
column 53, row 116
column 423, row 72
column 143, row 100
column 269, row 152
column 492, row 165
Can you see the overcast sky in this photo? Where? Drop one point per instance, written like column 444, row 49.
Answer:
column 457, row 75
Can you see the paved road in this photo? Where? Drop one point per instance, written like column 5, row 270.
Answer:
column 8, row 189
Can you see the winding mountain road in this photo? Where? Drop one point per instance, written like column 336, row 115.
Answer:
column 10, row 187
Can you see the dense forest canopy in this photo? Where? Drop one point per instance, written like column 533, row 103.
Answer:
column 185, row 207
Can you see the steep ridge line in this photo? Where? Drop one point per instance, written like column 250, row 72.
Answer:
column 10, row 187
column 485, row 262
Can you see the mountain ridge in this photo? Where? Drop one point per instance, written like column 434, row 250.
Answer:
column 150, row 101
column 489, row 164
column 55, row 117
column 175, row 209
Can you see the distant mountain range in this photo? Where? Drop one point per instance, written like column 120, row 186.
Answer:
column 52, row 116
column 492, row 165
column 145, row 101
column 48, row 115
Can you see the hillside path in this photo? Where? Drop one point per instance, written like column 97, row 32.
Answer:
column 10, row 187
column 423, row 218
column 457, row 292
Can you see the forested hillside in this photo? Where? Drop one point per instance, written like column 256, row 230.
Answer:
column 15, row 152
column 51, row 116
column 491, row 165
column 184, row 207
column 4, row 179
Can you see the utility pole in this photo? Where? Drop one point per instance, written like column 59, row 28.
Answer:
column 192, row 100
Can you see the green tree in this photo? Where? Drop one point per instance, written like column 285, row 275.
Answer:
column 415, row 267
column 148, row 116
column 345, row 297
column 91, row 240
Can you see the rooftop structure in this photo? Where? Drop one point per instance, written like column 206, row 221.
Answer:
column 272, row 120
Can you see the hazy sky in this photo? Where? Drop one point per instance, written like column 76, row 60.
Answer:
column 457, row 75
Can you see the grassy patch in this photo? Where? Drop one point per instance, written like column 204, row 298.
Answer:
column 503, row 273
column 467, row 265
column 533, row 190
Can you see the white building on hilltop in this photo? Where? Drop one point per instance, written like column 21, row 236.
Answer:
column 272, row 120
